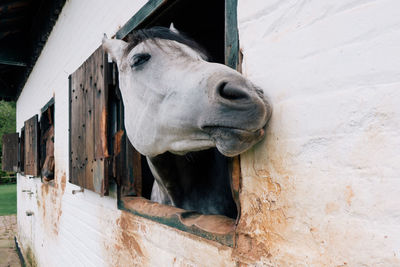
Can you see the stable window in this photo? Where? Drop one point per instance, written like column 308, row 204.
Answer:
column 32, row 151
column 213, row 25
column 100, row 152
column 46, row 142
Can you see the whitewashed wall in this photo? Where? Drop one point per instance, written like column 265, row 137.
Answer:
column 85, row 229
column 322, row 190
column 327, row 179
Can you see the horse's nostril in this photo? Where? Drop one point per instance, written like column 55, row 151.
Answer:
column 231, row 92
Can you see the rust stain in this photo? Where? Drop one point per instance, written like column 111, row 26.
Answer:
column 128, row 241
column 49, row 206
column 63, row 183
column 126, row 250
column 266, row 190
column 260, row 226
column 236, row 174
column 103, row 129
column 117, row 142
column 331, row 207
column 348, row 194
column 45, row 189
column 252, row 247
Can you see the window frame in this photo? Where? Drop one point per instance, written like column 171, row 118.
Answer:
column 172, row 216
column 43, row 110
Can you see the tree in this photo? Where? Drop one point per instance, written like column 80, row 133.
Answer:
column 7, row 123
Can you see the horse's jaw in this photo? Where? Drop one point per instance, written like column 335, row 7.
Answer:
column 231, row 142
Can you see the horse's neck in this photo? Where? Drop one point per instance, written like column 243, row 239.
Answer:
column 197, row 181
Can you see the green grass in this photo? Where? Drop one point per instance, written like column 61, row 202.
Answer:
column 8, row 199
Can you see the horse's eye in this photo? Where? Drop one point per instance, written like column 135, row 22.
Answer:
column 139, row 59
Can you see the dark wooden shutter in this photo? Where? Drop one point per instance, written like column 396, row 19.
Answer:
column 31, row 146
column 88, row 124
column 127, row 166
column 10, row 152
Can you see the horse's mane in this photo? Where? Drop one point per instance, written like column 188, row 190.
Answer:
column 164, row 33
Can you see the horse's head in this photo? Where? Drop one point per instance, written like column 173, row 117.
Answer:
column 48, row 165
column 177, row 101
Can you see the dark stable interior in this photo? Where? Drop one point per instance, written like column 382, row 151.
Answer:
column 22, row 151
column 204, row 22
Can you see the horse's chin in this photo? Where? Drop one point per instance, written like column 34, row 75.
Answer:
column 232, row 142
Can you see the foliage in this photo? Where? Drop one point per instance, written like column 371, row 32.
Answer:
column 8, row 199
column 7, row 123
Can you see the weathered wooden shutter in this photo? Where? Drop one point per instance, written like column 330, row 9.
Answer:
column 10, row 152
column 31, row 146
column 127, row 166
column 88, row 124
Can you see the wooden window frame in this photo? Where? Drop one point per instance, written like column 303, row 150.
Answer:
column 171, row 216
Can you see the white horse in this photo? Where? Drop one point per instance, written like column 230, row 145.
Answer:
column 183, row 112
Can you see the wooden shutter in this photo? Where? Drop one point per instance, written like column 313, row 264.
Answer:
column 88, row 124
column 127, row 166
column 10, row 152
column 31, row 147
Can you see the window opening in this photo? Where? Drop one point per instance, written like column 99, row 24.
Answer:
column 104, row 117
column 21, row 154
column 46, row 144
column 215, row 36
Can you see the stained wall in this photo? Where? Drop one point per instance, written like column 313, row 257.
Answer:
column 322, row 189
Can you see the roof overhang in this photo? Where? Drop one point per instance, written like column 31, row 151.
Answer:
column 24, row 28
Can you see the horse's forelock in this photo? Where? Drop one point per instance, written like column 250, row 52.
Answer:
column 163, row 33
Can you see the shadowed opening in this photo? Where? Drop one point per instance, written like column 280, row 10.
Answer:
column 46, row 144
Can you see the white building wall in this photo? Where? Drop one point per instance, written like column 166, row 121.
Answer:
column 322, row 190
column 85, row 229
column 327, row 178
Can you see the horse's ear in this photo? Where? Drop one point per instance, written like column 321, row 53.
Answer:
column 115, row 48
column 173, row 29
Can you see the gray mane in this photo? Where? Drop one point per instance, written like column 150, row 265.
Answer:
column 162, row 33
